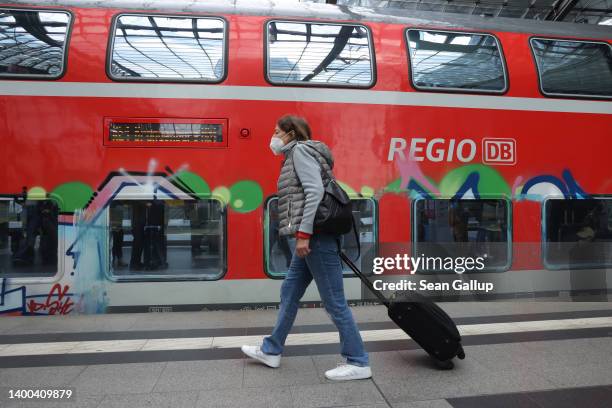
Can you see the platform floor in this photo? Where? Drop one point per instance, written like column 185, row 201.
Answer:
column 519, row 354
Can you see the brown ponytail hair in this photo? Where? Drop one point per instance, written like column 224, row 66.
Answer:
column 298, row 125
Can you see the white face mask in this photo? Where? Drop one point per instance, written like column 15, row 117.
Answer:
column 276, row 145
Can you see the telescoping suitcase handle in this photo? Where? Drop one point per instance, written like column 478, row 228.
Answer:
column 363, row 278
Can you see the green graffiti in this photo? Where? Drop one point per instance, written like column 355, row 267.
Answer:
column 415, row 193
column 37, row 193
column 222, row 193
column 348, row 189
column 490, row 181
column 245, row 196
column 394, row 187
column 71, row 196
column 194, row 183
column 367, row 191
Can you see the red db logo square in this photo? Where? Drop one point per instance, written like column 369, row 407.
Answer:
column 499, row 151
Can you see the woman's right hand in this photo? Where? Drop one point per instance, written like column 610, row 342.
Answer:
column 302, row 247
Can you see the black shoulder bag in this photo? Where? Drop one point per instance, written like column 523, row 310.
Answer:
column 335, row 212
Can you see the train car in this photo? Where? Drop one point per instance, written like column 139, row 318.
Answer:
column 138, row 177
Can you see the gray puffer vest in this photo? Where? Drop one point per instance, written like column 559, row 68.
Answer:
column 291, row 197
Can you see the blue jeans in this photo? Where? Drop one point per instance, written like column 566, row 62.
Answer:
column 324, row 265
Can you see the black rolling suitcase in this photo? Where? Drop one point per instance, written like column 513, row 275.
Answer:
column 424, row 321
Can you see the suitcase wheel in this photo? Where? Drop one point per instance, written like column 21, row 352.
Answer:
column 444, row 365
column 460, row 353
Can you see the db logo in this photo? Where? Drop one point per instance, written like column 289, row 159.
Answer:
column 499, row 151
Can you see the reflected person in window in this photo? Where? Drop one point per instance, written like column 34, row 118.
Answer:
column 316, row 256
column 275, row 238
column 30, row 218
column 138, row 222
column 116, row 224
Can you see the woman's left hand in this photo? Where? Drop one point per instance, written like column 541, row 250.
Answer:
column 302, row 247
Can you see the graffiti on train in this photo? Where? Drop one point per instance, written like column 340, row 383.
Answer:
column 58, row 301
column 89, row 246
column 242, row 196
column 481, row 181
column 16, row 301
column 85, row 225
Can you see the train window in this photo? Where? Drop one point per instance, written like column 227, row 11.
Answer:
column 319, row 54
column 578, row 233
column 168, row 48
column 279, row 249
column 33, row 43
column 443, row 60
column 573, row 68
column 167, row 238
column 463, row 229
column 28, row 238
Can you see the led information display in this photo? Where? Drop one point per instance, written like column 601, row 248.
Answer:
column 165, row 132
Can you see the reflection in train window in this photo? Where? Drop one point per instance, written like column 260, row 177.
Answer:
column 573, row 67
column 33, row 43
column 578, row 233
column 464, row 228
column 323, row 54
column 28, row 238
column 279, row 249
column 168, row 48
column 169, row 238
column 442, row 60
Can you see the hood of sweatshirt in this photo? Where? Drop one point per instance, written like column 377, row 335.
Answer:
column 315, row 144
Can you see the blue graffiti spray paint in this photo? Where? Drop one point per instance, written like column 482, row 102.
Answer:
column 89, row 253
column 540, row 187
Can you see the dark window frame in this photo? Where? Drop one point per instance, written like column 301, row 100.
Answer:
column 59, row 266
column 539, row 72
column 457, row 90
column 143, row 277
column 111, row 43
column 509, row 237
column 65, row 48
column 371, row 48
column 544, row 242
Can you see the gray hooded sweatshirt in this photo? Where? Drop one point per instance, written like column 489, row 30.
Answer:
column 300, row 184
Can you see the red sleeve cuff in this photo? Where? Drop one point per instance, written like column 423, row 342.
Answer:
column 302, row 235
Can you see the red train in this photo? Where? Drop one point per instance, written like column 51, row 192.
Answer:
column 138, row 174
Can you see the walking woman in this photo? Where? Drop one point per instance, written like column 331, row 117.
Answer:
column 316, row 256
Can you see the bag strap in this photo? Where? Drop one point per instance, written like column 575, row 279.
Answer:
column 356, row 240
column 325, row 177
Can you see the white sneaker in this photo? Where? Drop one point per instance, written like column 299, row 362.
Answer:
column 255, row 352
column 348, row 372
